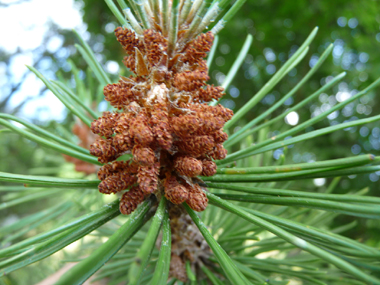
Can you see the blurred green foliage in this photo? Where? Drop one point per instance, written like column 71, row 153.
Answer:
column 278, row 27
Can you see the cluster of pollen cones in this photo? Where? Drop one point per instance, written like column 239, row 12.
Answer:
column 163, row 119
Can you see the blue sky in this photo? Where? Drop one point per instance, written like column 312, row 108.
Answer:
column 23, row 27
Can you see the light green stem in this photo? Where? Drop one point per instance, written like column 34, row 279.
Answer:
column 300, row 243
column 135, row 25
column 271, row 83
column 87, row 267
column 47, row 134
column 52, row 145
column 173, row 31
column 143, row 255
column 235, row 67
column 263, row 146
column 117, row 13
column 291, row 93
column 342, row 162
column 185, row 11
column 139, row 4
column 240, row 135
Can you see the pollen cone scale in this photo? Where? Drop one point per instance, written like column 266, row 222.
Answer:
column 161, row 116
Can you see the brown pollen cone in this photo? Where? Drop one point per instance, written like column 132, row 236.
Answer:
column 174, row 191
column 130, row 200
column 163, row 120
